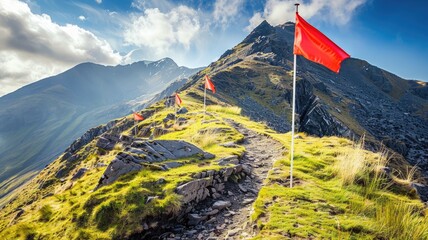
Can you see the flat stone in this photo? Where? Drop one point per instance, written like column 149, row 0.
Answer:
column 233, row 232
column 242, row 188
column 212, row 212
column 121, row 165
column 230, row 145
column 182, row 110
column 221, row 204
column 194, row 218
column 228, row 160
column 179, row 149
column 247, row 201
column 79, row 173
column 170, row 165
column 211, row 220
column 208, row 155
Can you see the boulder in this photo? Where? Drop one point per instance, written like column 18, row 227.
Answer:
column 107, row 141
column 208, row 155
column 140, row 152
column 182, row 110
column 170, row 165
column 179, row 149
column 79, row 173
column 121, row 165
column 228, row 160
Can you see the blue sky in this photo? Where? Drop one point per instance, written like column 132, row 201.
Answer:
column 40, row 38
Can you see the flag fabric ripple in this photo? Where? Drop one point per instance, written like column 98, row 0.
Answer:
column 315, row 46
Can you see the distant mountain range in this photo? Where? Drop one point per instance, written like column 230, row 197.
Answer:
column 40, row 120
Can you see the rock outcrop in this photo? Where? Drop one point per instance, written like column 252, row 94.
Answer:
column 142, row 152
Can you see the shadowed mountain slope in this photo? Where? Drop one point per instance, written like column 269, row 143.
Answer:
column 40, row 120
column 362, row 99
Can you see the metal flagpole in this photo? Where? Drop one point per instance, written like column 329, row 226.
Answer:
column 293, row 113
column 205, row 97
column 135, row 126
column 175, row 108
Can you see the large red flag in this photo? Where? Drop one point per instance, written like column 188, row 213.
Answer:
column 208, row 84
column 315, row 46
column 178, row 99
column 138, row 117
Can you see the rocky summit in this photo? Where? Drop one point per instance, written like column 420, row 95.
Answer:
column 224, row 173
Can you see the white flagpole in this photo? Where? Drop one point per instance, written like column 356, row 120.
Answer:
column 175, row 109
column 292, row 123
column 205, row 97
column 292, row 114
column 175, row 113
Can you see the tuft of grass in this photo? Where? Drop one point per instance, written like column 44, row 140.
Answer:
column 374, row 177
column 206, row 138
column 355, row 166
column 350, row 163
column 45, row 213
column 400, row 220
column 233, row 110
column 107, row 215
column 405, row 177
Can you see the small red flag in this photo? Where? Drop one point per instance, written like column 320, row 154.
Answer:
column 208, row 84
column 178, row 99
column 138, row 117
column 315, row 46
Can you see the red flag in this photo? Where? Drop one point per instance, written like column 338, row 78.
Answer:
column 208, row 84
column 178, row 99
column 315, row 46
column 138, row 117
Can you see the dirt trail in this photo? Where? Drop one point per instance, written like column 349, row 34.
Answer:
column 261, row 152
column 232, row 222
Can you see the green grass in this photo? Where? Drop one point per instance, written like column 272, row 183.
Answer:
column 400, row 220
column 325, row 202
column 76, row 211
column 328, row 202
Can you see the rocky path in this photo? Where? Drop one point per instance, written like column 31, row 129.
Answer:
column 261, row 152
column 228, row 216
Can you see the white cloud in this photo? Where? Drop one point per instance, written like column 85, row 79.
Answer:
column 276, row 12
column 160, row 31
column 162, row 5
column 33, row 47
column 82, row 18
column 99, row 1
column 224, row 10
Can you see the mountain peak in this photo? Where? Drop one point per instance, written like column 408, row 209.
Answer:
column 263, row 29
column 166, row 62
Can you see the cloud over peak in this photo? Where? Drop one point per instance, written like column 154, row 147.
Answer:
column 162, row 30
column 224, row 10
column 32, row 46
column 337, row 12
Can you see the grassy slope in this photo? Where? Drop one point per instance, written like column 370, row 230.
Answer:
column 320, row 206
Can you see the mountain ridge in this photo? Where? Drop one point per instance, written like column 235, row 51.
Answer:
column 60, row 108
